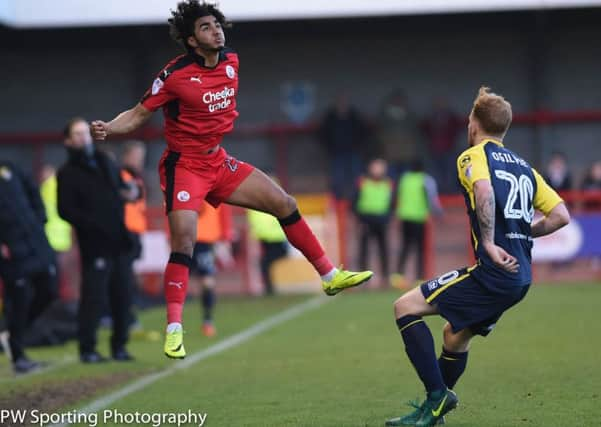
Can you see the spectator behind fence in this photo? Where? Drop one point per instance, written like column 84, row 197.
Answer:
column 441, row 128
column 558, row 174
column 274, row 246
column 132, row 169
column 417, row 198
column 372, row 206
column 27, row 262
column 343, row 133
column 397, row 133
column 592, row 182
column 213, row 237
column 91, row 197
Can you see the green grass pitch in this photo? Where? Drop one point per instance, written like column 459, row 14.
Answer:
column 343, row 364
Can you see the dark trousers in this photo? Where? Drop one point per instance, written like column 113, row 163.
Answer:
column 105, row 278
column 135, row 254
column 272, row 251
column 412, row 236
column 375, row 230
column 25, row 299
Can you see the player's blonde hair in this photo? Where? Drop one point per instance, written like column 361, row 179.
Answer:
column 492, row 111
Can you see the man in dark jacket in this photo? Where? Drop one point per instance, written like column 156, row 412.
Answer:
column 343, row 134
column 27, row 263
column 91, row 197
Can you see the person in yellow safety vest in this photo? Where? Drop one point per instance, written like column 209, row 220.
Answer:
column 372, row 206
column 274, row 246
column 417, row 199
column 58, row 231
column 213, row 234
column 133, row 158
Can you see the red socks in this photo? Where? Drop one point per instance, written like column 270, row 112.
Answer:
column 176, row 277
column 301, row 237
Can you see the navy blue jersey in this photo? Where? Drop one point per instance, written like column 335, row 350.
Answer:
column 519, row 191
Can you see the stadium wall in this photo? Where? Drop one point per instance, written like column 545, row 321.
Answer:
column 539, row 60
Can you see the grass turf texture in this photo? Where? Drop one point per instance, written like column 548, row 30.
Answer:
column 343, row 364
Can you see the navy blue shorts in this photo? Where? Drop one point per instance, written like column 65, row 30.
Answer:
column 203, row 260
column 466, row 303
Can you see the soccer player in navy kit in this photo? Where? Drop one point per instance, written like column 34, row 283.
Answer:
column 197, row 92
column 501, row 193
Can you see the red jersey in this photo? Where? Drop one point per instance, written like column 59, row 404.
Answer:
column 199, row 102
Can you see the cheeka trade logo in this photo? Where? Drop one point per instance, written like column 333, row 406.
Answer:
column 219, row 100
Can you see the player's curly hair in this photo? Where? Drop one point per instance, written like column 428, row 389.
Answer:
column 181, row 23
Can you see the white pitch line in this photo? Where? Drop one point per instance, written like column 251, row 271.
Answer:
column 226, row 344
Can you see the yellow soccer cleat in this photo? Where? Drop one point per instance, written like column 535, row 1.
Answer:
column 174, row 345
column 344, row 279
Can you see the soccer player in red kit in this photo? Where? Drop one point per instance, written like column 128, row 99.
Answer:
column 197, row 92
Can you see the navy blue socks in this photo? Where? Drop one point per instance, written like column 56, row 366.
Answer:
column 208, row 302
column 452, row 365
column 419, row 346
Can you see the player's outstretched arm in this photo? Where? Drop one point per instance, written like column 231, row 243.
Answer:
column 124, row 123
column 485, row 211
column 557, row 218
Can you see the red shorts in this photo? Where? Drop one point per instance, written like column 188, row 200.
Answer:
column 188, row 179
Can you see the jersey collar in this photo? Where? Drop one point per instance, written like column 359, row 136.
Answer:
column 495, row 141
column 201, row 61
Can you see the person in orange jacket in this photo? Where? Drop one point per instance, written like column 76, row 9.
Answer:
column 132, row 169
column 132, row 160
column 214, row 226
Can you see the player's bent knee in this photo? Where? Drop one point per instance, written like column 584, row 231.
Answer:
column 289, row 205
column 413, row 303
column 402, row 307
column 182, row 243
column 281, row 206
column 457, row 342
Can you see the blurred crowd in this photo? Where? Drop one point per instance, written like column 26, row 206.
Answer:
column 397, row 134
column 389, row 170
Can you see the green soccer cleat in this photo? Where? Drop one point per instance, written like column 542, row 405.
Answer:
column 344, row 279
column 434, row 410
column 174, row 345
column 412, row 418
